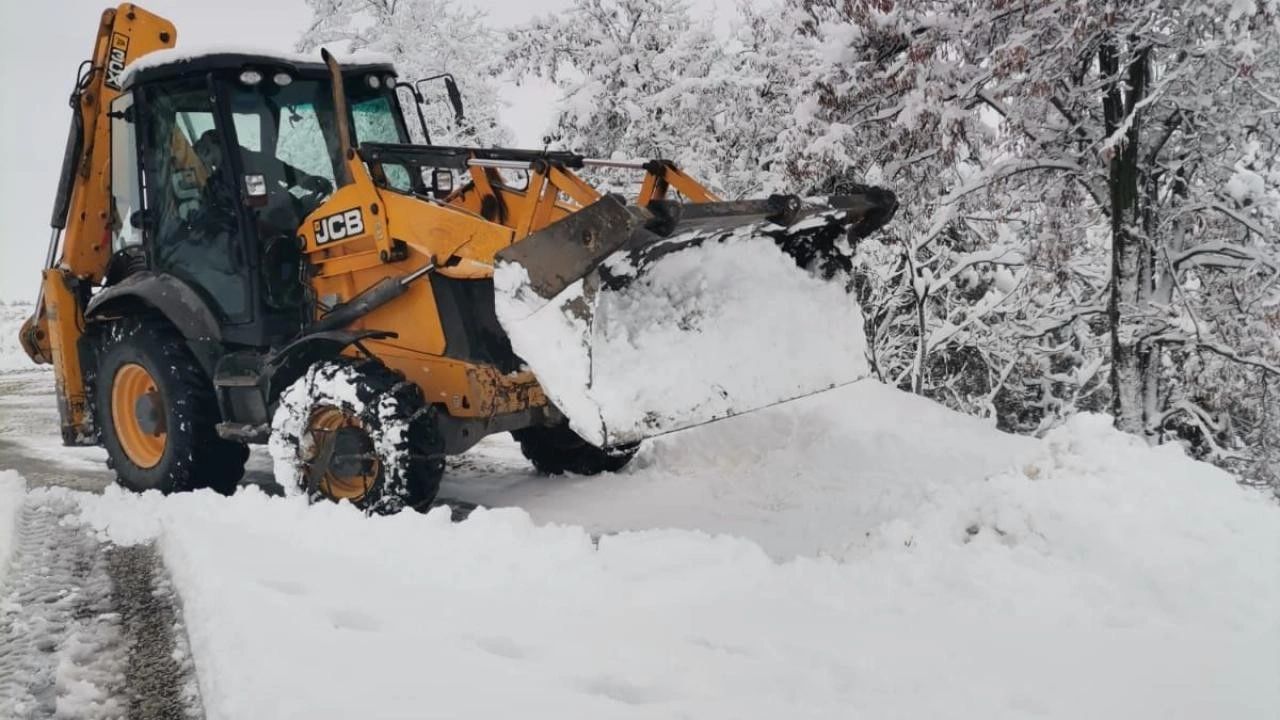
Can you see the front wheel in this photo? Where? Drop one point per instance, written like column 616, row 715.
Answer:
column 357, row 431
column 557, row 450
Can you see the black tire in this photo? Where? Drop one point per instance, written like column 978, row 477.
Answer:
column 391, row 412
column 193, row 455
column 557, row 450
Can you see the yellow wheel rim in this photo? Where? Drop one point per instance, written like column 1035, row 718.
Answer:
column 138, row 414
column 325, row 421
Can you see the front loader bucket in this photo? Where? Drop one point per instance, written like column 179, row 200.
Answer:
column 642, row 321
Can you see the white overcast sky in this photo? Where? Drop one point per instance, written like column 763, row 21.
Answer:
column 42, row 43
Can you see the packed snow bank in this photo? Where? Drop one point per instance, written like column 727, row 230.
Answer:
column 1097, row 578
column 12, row 356
column 809, row 477
column 702, row 333
column 12, row 490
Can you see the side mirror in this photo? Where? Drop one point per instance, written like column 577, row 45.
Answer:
column 417, row 106
column 455, row 97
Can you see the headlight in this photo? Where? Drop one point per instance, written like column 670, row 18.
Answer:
column 282, row 78
column 250, row 77
column 389, row 81
column 373, row 81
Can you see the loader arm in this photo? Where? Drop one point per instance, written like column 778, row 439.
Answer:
column 83, row 217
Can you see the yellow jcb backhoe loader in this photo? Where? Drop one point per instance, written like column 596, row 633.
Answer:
column 247, row 238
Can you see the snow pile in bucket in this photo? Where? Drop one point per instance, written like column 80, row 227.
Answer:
column 1093, row 577
column 702, row 333
column 12, row 356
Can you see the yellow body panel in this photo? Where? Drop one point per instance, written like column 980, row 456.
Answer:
column 64, row 325
column 461, row 243
column 467, row 390
column 516, row 205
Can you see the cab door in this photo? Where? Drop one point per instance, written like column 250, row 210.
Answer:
column 193, row 213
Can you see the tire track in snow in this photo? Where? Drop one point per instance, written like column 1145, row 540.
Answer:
column 82, row 623
column 159, row 676
column 60, row 650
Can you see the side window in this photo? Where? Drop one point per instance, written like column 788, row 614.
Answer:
column 189, row 174
column 126, row 188
column 194, row 213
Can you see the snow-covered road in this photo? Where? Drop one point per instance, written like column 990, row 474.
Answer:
column 860, row 554
column 88, row 629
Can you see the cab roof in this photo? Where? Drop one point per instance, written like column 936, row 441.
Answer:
column 168, row 63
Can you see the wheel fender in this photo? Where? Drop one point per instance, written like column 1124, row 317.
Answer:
column 171, row 297
column 290, row 362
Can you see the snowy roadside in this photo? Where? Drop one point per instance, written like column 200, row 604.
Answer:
column 12, row 358
column 1098, row 579
column 87, row 629
column 12, row 490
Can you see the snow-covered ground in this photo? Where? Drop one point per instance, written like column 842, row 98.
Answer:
column 12, row 358
column 858, row 553
column 810, row 477
column 1085, row 575
column 88, row 629
column 12, row 489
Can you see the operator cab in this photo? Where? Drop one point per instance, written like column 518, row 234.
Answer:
column 216, row 161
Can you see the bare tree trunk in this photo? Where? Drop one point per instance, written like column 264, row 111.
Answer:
column 921, row 296
column 1134, row 386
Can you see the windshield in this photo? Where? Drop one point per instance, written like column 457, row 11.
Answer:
column 288, row 134
column 287, row 140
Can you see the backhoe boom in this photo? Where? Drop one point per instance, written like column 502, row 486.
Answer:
column 83, row 214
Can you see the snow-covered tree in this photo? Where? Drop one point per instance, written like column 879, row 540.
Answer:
column 633, row 76
column 1154, row 121
column 1169, row 113
column 424, row 38
column 962, row 298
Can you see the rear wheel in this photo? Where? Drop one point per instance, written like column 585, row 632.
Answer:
column 357, row 431
column 557, row 450
column 157, row 413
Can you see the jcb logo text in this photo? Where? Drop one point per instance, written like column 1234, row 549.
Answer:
column 338, row 226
